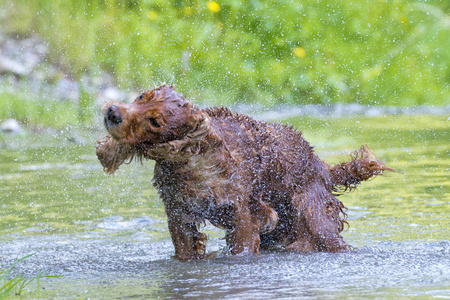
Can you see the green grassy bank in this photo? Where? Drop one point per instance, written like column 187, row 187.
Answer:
column 274, row 51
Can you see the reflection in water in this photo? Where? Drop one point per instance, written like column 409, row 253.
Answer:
column 108, row 238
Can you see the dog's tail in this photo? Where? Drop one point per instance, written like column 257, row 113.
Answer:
column 363, row 165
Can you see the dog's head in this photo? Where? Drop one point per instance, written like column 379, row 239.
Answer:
column 158, row 124
column 157, row 116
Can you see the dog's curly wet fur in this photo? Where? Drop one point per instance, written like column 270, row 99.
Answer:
column 260, row 182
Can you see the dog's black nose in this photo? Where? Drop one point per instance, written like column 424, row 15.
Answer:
column 113, row 115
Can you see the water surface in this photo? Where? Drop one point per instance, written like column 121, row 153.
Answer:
column 106, row 236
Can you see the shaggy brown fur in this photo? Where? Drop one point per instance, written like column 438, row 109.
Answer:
column 261, row 182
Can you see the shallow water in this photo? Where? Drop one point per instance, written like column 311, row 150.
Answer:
column 106, row 236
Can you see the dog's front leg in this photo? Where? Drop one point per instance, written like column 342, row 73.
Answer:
column 188, row 241
column 244, row 238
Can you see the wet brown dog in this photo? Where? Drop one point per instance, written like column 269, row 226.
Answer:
column 261, row 182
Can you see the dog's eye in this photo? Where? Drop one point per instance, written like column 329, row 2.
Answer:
column 153, row 122
column 141, row 96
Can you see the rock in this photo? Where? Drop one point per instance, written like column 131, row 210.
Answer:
column 102, row 80
column 76, row 139
column 375, row 111
column 67, row 89
column 11, row 66
column 356, row 108
column 11, row 126
column 20, row 56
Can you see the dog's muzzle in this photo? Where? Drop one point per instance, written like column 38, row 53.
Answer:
column 112, row 116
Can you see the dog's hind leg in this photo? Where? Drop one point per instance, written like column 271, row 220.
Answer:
column 318, row 223
column 243, row 237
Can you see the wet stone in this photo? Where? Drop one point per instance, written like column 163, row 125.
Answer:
column 11, row 126
column 11, row 66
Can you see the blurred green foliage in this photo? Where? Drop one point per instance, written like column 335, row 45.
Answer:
column 45, row 112
column 271, row 51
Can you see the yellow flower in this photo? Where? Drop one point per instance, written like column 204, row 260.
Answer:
column 152, row 15
column 299, row 52
column 213, row 6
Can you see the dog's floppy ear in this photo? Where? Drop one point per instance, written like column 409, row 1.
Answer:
column 191, row 144
column 112, row 154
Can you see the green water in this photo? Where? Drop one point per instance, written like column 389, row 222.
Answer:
column 107, row 237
